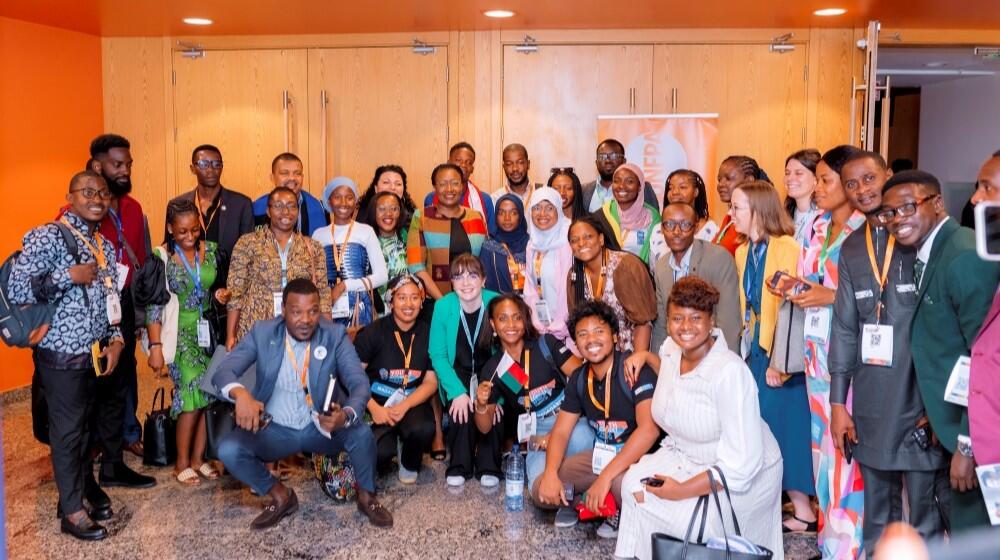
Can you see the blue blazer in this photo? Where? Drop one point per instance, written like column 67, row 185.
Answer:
column 265, row 346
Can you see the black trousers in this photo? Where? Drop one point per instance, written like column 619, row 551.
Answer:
column 70, row 397
column 415, row 431
column 927, row 493
column 108, row 418
column 473, row 453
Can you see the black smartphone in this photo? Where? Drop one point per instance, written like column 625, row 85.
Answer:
column 848, row 449
column 923, row 437
column 787, row 284
column 650, row 481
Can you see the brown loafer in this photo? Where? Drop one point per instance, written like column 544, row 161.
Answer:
column 274, row 512
column 369, row 505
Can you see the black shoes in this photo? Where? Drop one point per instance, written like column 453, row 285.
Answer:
column 119, row 474
column 275, row 512
column 85, row 529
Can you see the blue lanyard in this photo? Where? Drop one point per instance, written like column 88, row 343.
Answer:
column 468, row 335
column 754, row 262
column 121, row 235
column 283, row 255
column 194, row 274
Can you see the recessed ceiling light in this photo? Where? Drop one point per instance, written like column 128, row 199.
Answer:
column 197, row 21
column 830, row 12
column 498, row 13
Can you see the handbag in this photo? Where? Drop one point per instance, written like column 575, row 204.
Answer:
column 168, row 320
column 220, row 416
column 159, row 442
column 149, row 286
column 666, row 547
column 788, row 351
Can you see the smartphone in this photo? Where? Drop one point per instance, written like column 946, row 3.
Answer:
column 650, row 481
column 987, row 216
column 848, row 449
column 787, row 284
column 923, row 437
column 100, row 362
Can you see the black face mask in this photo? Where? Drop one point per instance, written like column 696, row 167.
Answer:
column 118, row 189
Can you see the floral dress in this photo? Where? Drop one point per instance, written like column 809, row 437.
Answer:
column 394, row 251
column 191, row 360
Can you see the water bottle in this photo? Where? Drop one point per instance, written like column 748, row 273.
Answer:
column 514, row 481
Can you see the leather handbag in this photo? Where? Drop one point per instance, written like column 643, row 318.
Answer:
column 159, row 442
column 666, row 547
column 788, row 350
column 220, row 419
column 148, row 281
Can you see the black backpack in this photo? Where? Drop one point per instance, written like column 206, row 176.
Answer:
column 24, row 326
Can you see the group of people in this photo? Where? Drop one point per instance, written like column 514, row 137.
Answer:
column 632, row 345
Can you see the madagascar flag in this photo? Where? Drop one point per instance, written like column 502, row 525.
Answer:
column 511, row 374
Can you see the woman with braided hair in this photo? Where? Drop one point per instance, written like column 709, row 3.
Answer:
column 733, row 172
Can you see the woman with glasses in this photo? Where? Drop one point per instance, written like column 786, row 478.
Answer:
column 548, row 260
column 838, row 482
column 567, row 184
column 460, row 343
column 354, row 262
column 440, row 233
column 503, row 255
column 265, row 260
column 617, row 278
column 385, row 217
column 627, row 221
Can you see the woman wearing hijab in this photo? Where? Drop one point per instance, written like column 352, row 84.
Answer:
column 549, row 252
column 628, row 222
column 503, row 254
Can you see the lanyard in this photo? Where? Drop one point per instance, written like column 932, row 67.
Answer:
column 538, row 273
column 98, row 251
column 527, row 385
column 606, row 409
column 726, row 224
column 338, row 253
column 884, row 276
column 194, row 274
column 121, row 235
column 407, row 355
column 468, row 335
column 303, row 374
column 201, row 218
column 597, row 294
column 751, row 274
column 824, row 255
column 283, row 255
column 514, row 269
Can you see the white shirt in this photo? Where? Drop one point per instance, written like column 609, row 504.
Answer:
column 681, row 270
column 505, row 189
column 601, row 195
column 924, row 252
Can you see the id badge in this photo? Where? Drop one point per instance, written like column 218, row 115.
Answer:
column 121, row 274
column 204, row 334
column 604, row 453
column 746, row 339
column 277, row 303
column 633, row 242
column 818, row 324
column 876, row 345
column 342, row 307
column 395, row 398
column 527, row 426
column 473, row 385
column 957, row 390
column 542, row 312
column 114, row 306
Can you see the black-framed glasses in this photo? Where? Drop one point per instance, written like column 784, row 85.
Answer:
column 685, row 225
column 91, row 193
column 561, row 170
column 610, row 157
column 208, row 163
column 903, row 210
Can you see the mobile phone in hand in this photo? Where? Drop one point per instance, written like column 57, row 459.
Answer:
column 848, row 449
column 651, row 482
column 787, row 284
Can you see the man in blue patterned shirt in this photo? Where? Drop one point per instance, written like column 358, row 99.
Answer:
column 87, row 312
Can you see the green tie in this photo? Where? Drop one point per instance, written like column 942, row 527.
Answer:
column 918, row 271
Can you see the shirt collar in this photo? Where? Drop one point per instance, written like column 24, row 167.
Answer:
column 77, row 222
column 685, row 260
column 924, row 253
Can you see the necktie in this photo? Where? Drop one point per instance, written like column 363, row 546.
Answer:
column 918, row 271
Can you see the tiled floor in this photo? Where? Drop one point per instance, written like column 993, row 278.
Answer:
column 210, row 521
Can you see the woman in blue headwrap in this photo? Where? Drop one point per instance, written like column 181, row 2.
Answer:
column 503, row 254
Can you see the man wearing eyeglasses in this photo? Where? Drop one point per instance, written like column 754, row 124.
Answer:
column 870, row 351
column 287, row 171
column 515, row 169
column 955, row 289
column 610, row 155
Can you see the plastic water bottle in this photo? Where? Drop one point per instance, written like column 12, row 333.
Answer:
column 514, row 481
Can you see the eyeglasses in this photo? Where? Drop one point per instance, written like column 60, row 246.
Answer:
column 903, row 210
column 286, row 207
column 207, row 163
column 561, row 170
column 91, row 193
column 610, row 157
column 685, row 225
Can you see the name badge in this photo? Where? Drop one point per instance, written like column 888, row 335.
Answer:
column 114, row 306
column 342, row 307
column 542, row 312
column 204, row 334
column 121, row 274
column 818, row 324
column 863, row 294
column 957, row 390
column 876, row 345
column 277, row 303
column 527, row 426
column 473, row 384
column 604, row 453
column 906, row 288
column 395, row 398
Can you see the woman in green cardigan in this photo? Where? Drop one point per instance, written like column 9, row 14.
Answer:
column 461, row 342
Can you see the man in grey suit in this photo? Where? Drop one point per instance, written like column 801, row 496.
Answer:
column 694, row 257
column 610, row 155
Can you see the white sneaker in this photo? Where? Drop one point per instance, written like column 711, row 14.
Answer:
column 489, row 481
column 455, row 481
column 406, row 476
column 609, row 529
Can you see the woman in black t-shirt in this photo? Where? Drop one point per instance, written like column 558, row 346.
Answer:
column 528, row 373
column 393, row 350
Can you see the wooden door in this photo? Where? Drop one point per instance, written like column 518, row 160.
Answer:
column 248, row 103
column 760, row 97
column 382, row 105
column 552, row 97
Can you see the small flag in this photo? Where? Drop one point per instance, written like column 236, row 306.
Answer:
column 511, row 374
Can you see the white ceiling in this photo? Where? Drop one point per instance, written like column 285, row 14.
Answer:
column 931, row 60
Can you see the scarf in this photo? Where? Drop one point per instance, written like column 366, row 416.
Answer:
column 517, row 240
column 636, row 218
column 555, row 236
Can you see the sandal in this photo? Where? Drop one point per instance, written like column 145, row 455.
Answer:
column 439, row 455
column 188, row 477
column 811, row 526
column 206, row 470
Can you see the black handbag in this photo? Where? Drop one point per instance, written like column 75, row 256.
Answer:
column 149, row 281
column 220, row 419
column 159, row 441
column 666, row 547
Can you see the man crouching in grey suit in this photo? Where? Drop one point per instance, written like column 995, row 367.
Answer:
column 300, row 359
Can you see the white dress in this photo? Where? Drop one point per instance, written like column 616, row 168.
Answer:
column 713, row 418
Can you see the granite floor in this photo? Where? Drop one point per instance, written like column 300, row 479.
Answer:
column 210, row 521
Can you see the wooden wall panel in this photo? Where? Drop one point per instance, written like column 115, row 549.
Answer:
column 833, row 60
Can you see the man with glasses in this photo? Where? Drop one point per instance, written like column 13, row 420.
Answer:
column 688, row 256
column 515, row 169
column 954, row 288
column 610, row 155
column 287, row 171
column 70, row 265
column 870, row 350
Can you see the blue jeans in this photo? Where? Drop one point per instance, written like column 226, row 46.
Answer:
column 244, row 453
column 582, row 439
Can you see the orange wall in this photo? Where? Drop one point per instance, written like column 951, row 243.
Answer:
column 50, row 109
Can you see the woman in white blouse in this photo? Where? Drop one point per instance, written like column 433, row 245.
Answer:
column 706, row 400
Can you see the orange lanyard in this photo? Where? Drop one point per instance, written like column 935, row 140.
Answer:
column 303, row 374
column 538, row 273
column 201, row 217
column 606, row 409
column 727, row 223
column 884, row 276
column 514, row 268
column 338, row 254
column 600, row 280
column 98, row 251
column 407, row 355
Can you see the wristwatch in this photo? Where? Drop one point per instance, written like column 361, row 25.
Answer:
column 965, row 446
column 352, row 416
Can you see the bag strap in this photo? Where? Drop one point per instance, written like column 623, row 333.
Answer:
column 543, row 345
column 158, row 395
column 718, row 507
column 131, row 254
column 700, row 506
column 732, row 511
column 788, row 343
column 74, row 252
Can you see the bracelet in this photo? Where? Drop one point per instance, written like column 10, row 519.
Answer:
column 154, row 345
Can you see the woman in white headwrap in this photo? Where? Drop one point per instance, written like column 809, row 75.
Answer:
column 548, row 260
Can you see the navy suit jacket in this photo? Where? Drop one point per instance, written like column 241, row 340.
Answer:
column 332, row 356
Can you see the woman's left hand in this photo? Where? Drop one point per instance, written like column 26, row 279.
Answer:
column 815, row 296
column 596, row 494
column 338, row 290
column 633, row 365
column 671, row 489
column 773, row 378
